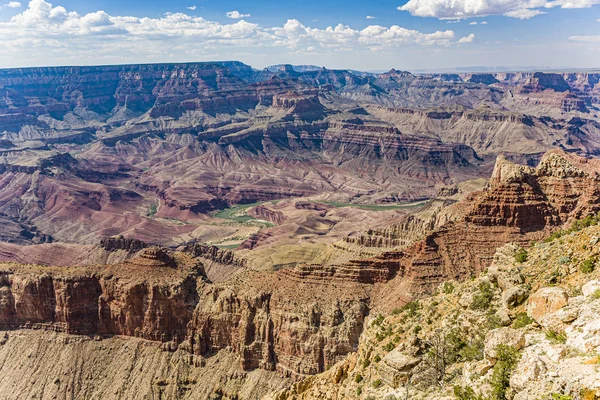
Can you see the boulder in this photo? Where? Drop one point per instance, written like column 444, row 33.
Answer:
column 590, row 288
column 514, row 296
column 503, row 316
column 506, row 336
column 396, row 367
column 530, row 368
column 545, row 301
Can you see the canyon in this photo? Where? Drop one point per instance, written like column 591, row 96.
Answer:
column 209, row 230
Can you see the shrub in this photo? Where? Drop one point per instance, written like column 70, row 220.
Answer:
column 412, row 308
column 377, row 358
column 448, row 288
column 358, row 391
column 366, row 363
column 507, row 361
column 466, row 393
column 378, row 320
column 377, row 383
column 556, row 337
column 521, row 255
column 588, row 266
column 564, row 260
column 389, row 347
column 558, row 396
column 483, row 299
column 521, row 320
column 358, row 378
column 596, row 294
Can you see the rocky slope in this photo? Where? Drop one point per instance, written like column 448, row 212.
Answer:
column 525, row 329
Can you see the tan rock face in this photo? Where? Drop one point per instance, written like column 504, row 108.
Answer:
column 546, row 301
column 503, row 336
column 396, row 367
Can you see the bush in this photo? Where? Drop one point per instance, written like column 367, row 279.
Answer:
column 389, row 347
column 521, row 255
column 596, row 294
column 358, row 378
column 448, row 288
column 377, row 383
column 558, row 396
column 378, row 320
column 412, row 308
column 377, row 358
column 466, row 393
column 521, row 320
column 564, row 260
column 483, row 299
column 358, row 391
column 556, row 337
column 366, row 362
column 507, row 361
column 588, row 266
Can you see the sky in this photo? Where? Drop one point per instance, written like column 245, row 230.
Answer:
column 371, row 35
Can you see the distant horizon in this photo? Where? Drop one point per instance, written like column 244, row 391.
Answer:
column 458, row 70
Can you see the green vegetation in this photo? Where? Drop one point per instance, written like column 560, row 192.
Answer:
column 558, row 396
column 508, row 358
column 521, row 255
column 377, row 358
column 377, row 207
column 588, row 265
column 448, row 288
column 377, row 383
column 152, row 210
column 358, row 378
column 521, row 320
column 378, row 320
column 483, row 298
column 556, row 337
column 466, row 393
column 575, row 226
column 240, row 215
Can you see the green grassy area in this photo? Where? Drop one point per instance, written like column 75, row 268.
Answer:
column 239, row 214
column 378, row 207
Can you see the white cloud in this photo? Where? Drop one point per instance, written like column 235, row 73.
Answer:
column 236, row 15
column 467, row 39
column 462, row 9
column 473, row 23
column 370, row 17
column 483, row 22
column 12, row 4
column 523, row 13
column 54, row 35
column 191, row 8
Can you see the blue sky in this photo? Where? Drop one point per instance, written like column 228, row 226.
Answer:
column 367, row 35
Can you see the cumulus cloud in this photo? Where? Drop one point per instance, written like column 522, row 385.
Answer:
column 12, row 4
column 524, row 13
column 467, row 39
column 47, row 32
column 473, row 23
column 483, row 22
column 461, row 9
column 236, row 15
column 370, row 17
column 191, row 8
